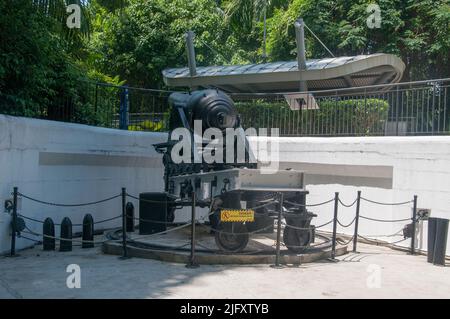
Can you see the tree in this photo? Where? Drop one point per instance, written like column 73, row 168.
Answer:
column 132, row 41
column 415, row 30
column 41, row 72
column 138, row 42
column 243, row 14
column 247, row 16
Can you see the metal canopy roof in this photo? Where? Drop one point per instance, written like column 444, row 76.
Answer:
column 321, row 74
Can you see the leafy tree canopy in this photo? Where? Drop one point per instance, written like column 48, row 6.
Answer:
column 132, row 41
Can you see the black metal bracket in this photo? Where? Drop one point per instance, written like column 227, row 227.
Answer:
column 9, row 206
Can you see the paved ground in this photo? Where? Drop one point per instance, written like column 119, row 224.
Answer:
column 375, row 273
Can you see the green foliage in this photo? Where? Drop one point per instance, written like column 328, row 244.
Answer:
column 357, row 116
column 334, row 117
column 46, row 68
column 41, row 74
column 159, row 125
column 141, row 40
column 111, row 5
column 416, row 30
column 242, row 14
column 33, row 62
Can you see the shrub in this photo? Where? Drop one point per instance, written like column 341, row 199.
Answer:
column 333, row 117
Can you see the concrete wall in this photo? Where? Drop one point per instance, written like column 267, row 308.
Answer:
column 385, row 169
column 70, row 163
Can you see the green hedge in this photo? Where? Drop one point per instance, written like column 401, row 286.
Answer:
column 334, row 117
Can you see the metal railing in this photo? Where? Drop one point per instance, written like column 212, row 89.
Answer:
column 104, row 105
column 413, row 108
column 130, row 108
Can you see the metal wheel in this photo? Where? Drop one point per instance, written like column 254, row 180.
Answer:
column 296, row 240
column 231, row 237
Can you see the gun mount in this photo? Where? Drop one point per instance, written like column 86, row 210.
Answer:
column 234, row 185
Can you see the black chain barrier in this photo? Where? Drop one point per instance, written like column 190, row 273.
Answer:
column 193, row 221
column 264, row 205
column 30, row 239
column 309, row 205
column 149, row 200
column 18, row 229
column 356, row 219
column 56, row 224
column 385, row 220
column 348, row 225
column 68, row 205
column 391, row 235
column 350, row 205
column 387, row 204
column 155, row 221
column 380, row 243
column 306, row 228
column 257, row 207
column 217, row 252
column 31, row 232
column 189, row 201
column 209, row 228
column 345, row 243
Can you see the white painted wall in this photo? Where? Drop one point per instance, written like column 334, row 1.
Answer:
column 419, row 166
column 70, row 163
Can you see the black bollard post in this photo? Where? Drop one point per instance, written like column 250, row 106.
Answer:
column 440, row 242
column 88, row 232
column 355, row 236
column 192, row 263
column 130, row 217
column 432, row 225
column 280, row 212
column 65, row 243
column 336, row 205
column 48, row 237
column 124, row 224
column 13, row 223
column 413, row 232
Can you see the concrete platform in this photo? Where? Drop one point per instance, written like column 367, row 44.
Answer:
column 174, row 246
column 375, row 272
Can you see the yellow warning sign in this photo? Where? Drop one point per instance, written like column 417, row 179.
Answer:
column 237, row 215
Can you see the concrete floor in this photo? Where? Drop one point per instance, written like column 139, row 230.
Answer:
column 376, row 272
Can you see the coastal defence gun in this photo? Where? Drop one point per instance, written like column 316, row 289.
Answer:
column 241, row 198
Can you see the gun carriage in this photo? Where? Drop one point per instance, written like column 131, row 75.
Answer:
column 234, row 188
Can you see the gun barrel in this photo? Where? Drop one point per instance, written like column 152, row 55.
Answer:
column 214, row 108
